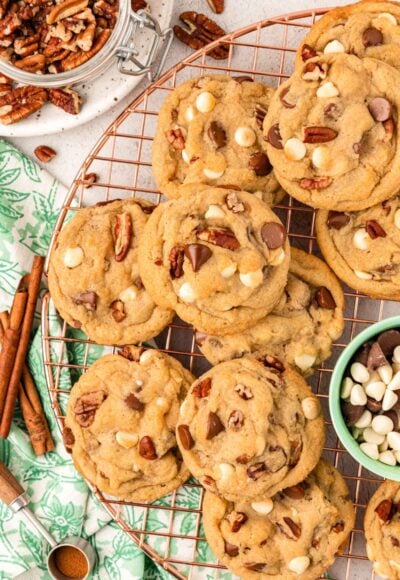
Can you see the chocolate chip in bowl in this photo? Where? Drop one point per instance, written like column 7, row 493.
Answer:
column 364, row 398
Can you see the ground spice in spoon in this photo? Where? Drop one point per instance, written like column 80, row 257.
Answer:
column 71, row 562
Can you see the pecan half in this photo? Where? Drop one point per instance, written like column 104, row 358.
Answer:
column 26, row 46
column 233, row 203
column 85, row 407
column 176, row 258
column 374, row 230
column 33, row 63
column 66, row 9
column 222, row 237
column 79, row 57
column 20, row 103
column 66, row 99
column 200, row 31
column 85, row 39
column 383, row 510
column 319, row 134
column 289, row 528
column 175, row 138
column 202, row 389
column 317, row 183
column 117, row 310
column 44, row 153
column 87, row 299
column 295, row 491
column 272, row 362
column 217, row 6
column 122, row 233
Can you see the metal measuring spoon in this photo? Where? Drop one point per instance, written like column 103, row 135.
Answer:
column 13, row 495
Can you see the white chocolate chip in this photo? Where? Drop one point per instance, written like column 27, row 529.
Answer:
column 396, row 354
column 327, row 90
column 386, row 373
column 321, row 157
column 73, row 257
column 187, row 293
column 226, row 470
column 299, row 565
column 376, row 390
column 190, row 114
column 370, row 436
column 363, row 275
column 185, row 156
column 128, row 294
column 365, row 420
column 139, row 382
column 389, row 17
column 356, row 432
column 310, row 408
column 147, row 355
column 252, row 279
column 214, row 212
column 245, row 136
column 397, row 219
column 347, row 385
column 387, row 457
column 205, row 102
column 383, row 446
column 358, row 396
column 396, row 366
column 295, row 149
column 260, row 444
column 389, row 400
column 378, row 569
column 395, row 382
column 304, row 361
column 397, row 456
column 361, row 239
column 359, row 372
column 394, row 564
column 229, row 271
column 382, row 424
column 370, row 449
column 126, row 440
column 162, row 402
column 210, row 174
column 263, row 507
column 135, row 468
column 277, row 257
column 394, row 440
column 334, row 46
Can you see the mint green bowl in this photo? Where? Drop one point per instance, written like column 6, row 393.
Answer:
column 344, row 434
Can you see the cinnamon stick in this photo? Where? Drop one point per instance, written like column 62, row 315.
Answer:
column 24, row 336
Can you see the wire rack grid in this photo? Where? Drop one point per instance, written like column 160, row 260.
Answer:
column 122, row 162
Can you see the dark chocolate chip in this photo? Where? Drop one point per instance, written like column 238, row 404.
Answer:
column 147, row 448
column 202, row 389
column 198, row 254
column 388, row 341
column 255, row 471
column 337, row 220
column 393, row 416
column 255, row 566
column 273, row 234
column 214, row 425
column 217, row 134
column 352, row 413
column 373, row 405
column 87, row 299
column 324, row 298
column 295, row 491
column 361, row 355
column 372, row 37
column 284, row 102
column 239, row 520
column 231, row 549
column 376, row 358
column 374, row 230
column 185, row 437
column 260, row 164
column 243, row 79
column 380, row 108
column 274, row 137
column 133, row 402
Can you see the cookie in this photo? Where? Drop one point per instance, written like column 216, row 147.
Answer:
column 382, row 530
column 366, row 29
column 210, row 131
column 332, row 132
column 220, row 258
column 249, row 428
column 301, row 328
column 120, row 424
column 294, row 535
column 363, row 247
column 94, row 275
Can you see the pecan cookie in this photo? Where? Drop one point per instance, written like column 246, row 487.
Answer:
column 120, row 424
column 210, row 131
column 249, row 427
column 219, row 258
column 295, row 534
column 94, row 276
column 369, row 29
column 301, row 328
column 382, row 530
column 363, row 247
column 332, row 132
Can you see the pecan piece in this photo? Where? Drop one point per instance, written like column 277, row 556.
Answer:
column 217, row 6
column 237, row 521
column 3, row 8
column 87, row 299
column 307, row 52
column 272, row 362
column 295, row 491
column 147, row 448
column 255, row 471
column 33, row 63
column 138, row 5
column 176, row 138
column 85, row 407
column 244, row 392
column 234, row 203
column 200, row 31
column 318, row 183
column 289, row 528
column 85, row 39
column 90, row 179
column 65, row 10
column 122, row 233
column 133, row 402
column 68, row 439
column 338, row 527
column 44, row 153
column 176, row 258
column 202, row 389
column 222, row 237
column 259, row 114
column 26, row 46
column 319, row 134
column 67, row 99
column 79, row 57
column 9, row 24
column 374, row 230
column 236, row 420
column 117, row 310
column 384, row 509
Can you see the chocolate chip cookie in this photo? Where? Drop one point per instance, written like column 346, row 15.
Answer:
column 301, row 328
column 94, row 275
column 363, row 247
column 369, row 29
column 295, row 534
column 332, row 132
column 382, row 530
column 220, row 258
column 210, row 131
column 120, row 424
column 249, row 428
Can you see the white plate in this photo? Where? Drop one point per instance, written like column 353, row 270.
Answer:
column 99, row 95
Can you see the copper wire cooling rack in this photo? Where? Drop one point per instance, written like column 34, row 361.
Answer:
column 170, row 530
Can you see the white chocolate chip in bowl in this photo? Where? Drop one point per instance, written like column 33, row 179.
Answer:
column 311, row 408
column 359, row 372
column 263, row 507
column 334, row 46
column 294, row 149
column 365, row 420
column 370, row 449
column 73, row 257
column 387, row 457
column 304, row 361
column 187, row 293
column 327, row 90
column 245, row 136
column 126, row 440
column 214, row 212
column 361, row 239
column 299, row 565
column 347, row 385
column 321, row 157
column 389, row 400
column 205, row 102
column 128, row 294
column 252, row 279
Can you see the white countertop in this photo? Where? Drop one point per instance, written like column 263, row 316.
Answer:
column 73, row 146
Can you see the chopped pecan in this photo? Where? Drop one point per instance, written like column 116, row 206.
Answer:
column 289, row 528
column 307, row 52
column 236, row 419
column 222, row 237
column 217, row 6
column 200, row 31
column 20, row 103
column 68, row 439
column 117, row 310
column 107, row 10
column 314, row 71
column 85, row 39
column 202, row 389
column 233, row 203
column 86, row 406
column 244, row 392
column 87, row 299
column 3, row 7
column 9, row 24
column 176, row 259
column 384, row 509
column 65, row 10
column 67, row 99
column 122, row 233
column 374, row 230
column 33, row 63
column 176, row 138
column 317, row 183
column 295, row 491
column 89, row 179
column 26, row 46
column 319, row 134
column 237, row 520
column 44, row 153
column 338, row 527
column 256, row 470
column 272, row 362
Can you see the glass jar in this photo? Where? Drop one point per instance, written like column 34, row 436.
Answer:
column 120, row 47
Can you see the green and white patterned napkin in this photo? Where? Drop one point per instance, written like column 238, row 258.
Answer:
column 29, row 202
